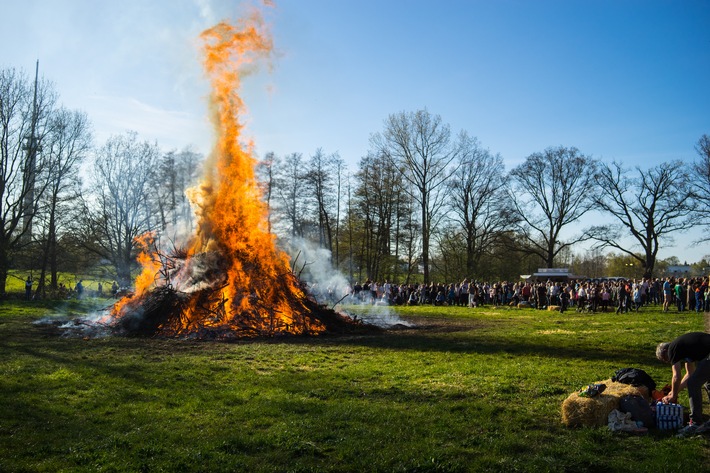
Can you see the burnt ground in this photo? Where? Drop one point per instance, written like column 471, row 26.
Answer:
column 62, row 329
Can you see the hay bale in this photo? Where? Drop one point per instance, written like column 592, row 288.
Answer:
column 553, row 307
column 620, row 390
column 523, row 305
column 594, row 411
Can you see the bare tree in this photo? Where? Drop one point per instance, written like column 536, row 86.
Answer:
column 340, row 176
column 117, row 211
column 164, row 194
column 701, row 182
column 550, row 191
column 376, row 201
column 290, row 199
column 420, row 147
column 409, row 241
column 66, row 146
column 24, row 110
column 478, row 202
column 650, row 208
column 175, row 173
column 319, row 179
column 592, row 264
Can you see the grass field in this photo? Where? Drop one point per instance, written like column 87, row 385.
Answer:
column 462, row 390
column 15, row 286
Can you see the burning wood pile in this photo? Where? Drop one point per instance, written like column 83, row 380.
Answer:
column 189, row 300
column 230, row 280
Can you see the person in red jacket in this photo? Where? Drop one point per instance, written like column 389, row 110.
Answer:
column 693, row 350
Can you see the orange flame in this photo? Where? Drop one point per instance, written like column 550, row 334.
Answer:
column 260, row 291
column 149, row 262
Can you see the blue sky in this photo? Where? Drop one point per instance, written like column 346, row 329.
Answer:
column 623, row 80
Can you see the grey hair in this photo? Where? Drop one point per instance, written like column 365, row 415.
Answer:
column 662, row 352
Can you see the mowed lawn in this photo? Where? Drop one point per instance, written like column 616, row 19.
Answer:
column 462, row 390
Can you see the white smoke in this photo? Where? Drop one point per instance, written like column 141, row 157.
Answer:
column 92, row 325
column 312, row 265
column 329, row 286
column 380, row 315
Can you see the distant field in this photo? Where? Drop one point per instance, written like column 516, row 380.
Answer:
column 16, row 282
column 461, row 390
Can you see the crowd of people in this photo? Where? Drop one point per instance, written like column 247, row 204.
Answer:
column 621, row 295
column 79, row 291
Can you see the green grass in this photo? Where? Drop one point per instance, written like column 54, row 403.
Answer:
column 464, row 390
column 15, row 285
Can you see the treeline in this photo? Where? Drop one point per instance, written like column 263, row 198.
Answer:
column 424, row 203
column 68, row 205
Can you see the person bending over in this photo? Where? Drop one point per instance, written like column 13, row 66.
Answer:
column 693, row 350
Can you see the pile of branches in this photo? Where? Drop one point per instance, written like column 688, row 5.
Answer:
column 202, row 312
column 145, row 315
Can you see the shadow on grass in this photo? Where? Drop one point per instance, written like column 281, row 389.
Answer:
column 465, row 337
column 489, row 346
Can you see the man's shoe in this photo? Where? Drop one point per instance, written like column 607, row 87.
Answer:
column 693, row 429
column 687, row 430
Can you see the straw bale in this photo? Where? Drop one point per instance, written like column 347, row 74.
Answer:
column 594, row 411
column 621, row 389
column 553, row 308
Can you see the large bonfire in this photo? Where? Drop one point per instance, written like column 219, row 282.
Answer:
column 230, row 280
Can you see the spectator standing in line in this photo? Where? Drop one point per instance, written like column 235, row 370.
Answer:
column 541, row 296
column 654, row 290
column 526, row 291
column 28, row 288
column 564, row 299
column 605, row 296
column 463, row 298
column 698, row 298
column 689, row 294
column 667, row 294
column 680, row 295
column 621, row 297
column 638, row 299
column 581, row 298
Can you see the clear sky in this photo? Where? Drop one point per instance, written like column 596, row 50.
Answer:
column 627, row 80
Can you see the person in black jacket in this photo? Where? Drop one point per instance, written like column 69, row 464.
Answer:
column 693, row 349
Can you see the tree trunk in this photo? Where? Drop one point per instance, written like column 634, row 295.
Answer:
column 4, row 268
column 470, row 268
column 648, row 266
column 40, row 291
column 550, row 260
column 53, row 264
column 425, row 240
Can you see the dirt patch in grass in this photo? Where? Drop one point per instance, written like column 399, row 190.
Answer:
column 437, row 325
